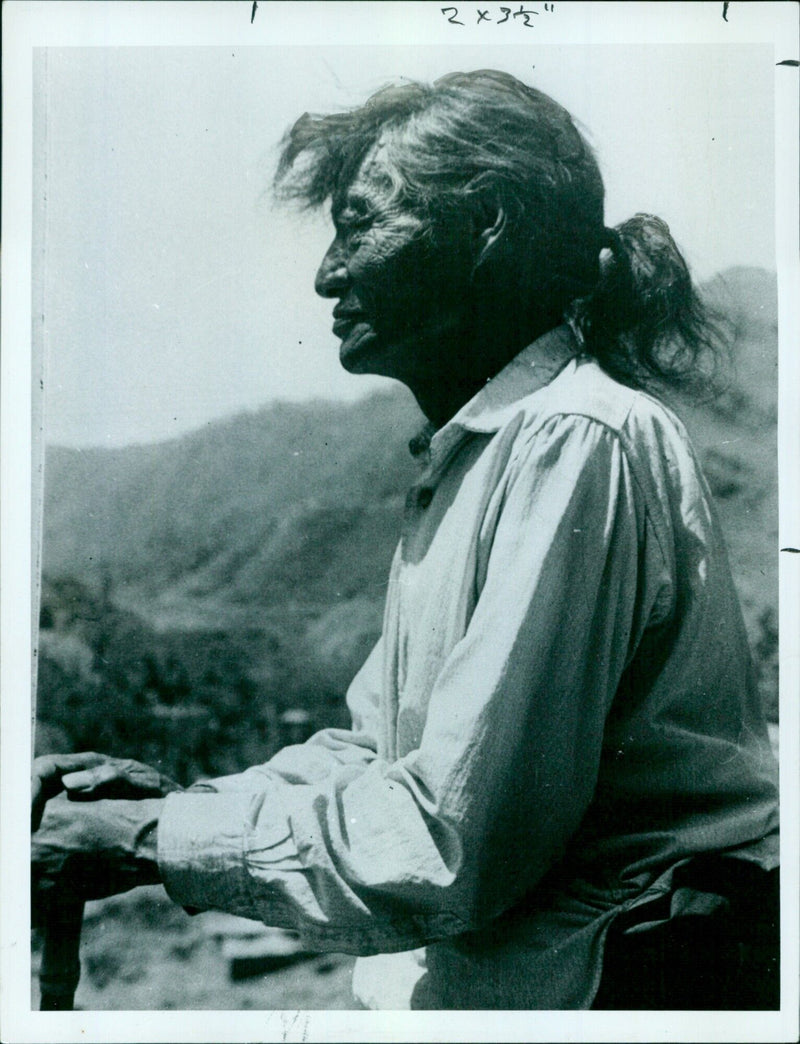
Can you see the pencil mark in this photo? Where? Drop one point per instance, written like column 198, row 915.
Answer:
column 290, row 1021
column 792, row 550
column 453, row 18
column 789, row 61
column 253, row 12
column 526, row 15
column 725, row 7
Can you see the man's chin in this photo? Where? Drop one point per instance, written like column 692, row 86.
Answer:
column 358, row 351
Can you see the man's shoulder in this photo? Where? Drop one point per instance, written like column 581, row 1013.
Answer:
column 584, row 390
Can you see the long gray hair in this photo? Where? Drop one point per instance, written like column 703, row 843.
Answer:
column 471, row 137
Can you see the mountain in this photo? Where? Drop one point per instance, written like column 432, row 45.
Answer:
column 252, row 513
column 252, row 555
column 736, row 436
column 248, row 559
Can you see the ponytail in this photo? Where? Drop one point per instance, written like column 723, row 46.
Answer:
column 644, row 321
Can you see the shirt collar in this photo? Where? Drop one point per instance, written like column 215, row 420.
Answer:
column 496, row 402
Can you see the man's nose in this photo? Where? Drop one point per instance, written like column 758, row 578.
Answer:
column 331, row 279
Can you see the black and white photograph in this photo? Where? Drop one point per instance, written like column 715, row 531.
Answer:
column 400, row 625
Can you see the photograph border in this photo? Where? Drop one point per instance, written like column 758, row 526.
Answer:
column 98, row 23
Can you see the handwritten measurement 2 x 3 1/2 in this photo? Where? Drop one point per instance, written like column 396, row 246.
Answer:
column 495, row 15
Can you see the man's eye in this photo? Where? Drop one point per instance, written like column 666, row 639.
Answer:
column 354, row 224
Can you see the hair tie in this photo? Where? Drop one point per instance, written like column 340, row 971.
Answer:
column 611, row 240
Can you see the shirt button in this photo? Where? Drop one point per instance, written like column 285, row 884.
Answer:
column 424, row 497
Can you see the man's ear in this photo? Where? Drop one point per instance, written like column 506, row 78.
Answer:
column 489, row 227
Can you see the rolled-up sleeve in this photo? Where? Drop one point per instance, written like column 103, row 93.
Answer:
column 365, row 855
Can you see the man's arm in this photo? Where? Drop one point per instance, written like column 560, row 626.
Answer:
column 104, row 804
column 373, row 856
column 387, row 856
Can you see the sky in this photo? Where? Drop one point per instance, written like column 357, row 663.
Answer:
column 174, row 291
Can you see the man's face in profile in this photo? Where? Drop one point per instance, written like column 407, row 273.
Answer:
column 402, row 280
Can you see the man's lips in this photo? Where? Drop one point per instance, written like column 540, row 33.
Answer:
column 341, row 312
column 343, row 320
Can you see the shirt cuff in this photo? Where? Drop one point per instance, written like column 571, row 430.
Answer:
column 201, row 850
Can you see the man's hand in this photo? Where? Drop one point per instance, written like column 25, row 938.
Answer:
column 101, row 846
column 91, row 850
column 89, row 776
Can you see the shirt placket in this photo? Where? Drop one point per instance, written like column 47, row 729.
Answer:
column 435, row 459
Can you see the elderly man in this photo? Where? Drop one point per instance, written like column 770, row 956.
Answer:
column 557, row 748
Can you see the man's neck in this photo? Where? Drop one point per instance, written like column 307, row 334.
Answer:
column 473, row 364
column 441, row 401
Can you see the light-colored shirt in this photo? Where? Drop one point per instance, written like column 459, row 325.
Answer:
column 560, row 710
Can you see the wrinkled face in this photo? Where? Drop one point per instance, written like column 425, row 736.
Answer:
column 403, row 285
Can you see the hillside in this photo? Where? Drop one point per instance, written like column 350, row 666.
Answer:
column 221, row 515
column 737, row 439
column 243, row 566
column 239, row 571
